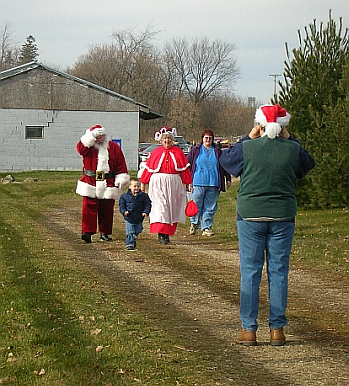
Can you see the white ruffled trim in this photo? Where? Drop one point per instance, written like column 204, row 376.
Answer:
column 176, row 166
column 174, row 161
column 165, row 130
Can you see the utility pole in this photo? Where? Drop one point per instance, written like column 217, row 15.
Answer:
column 274, row 76
column 251, row 102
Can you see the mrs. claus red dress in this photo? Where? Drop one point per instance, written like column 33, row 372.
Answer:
column 166, row 171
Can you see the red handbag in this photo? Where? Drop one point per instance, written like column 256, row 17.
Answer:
column 191, row 208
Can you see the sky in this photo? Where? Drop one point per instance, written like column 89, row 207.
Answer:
column 65, row 29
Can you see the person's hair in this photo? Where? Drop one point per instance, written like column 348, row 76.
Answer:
column 134, row 179
column 208, row 132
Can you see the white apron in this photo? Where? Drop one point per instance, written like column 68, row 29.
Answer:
column 167, row 194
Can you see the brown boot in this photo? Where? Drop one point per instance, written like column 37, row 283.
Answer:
column 277, row 337
column 247, row 338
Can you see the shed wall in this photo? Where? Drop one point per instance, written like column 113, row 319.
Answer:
column 62, row 131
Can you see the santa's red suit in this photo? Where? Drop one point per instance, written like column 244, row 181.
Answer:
column 104, row 176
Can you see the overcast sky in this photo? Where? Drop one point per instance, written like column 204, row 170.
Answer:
column 64, row 29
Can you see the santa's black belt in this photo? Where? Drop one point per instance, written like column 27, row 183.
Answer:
column 98, row 175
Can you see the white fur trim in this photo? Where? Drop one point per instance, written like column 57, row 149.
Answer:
column 174, row 161
column 260, row 118
column 159, row 164
column 103, row 158
column 101, row 187
column 84, row 189
column 284, row 121
column 122, row 180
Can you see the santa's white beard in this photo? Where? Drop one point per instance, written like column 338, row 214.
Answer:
column 102, row 166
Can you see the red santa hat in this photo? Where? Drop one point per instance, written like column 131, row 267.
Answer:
column 165, row 130
column 273, row 118
column 102, row 129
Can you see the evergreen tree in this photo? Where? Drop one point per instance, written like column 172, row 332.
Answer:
column 29, row 51
column 332, row 180
column 314, row 93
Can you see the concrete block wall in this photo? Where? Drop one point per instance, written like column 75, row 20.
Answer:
column 62, row 131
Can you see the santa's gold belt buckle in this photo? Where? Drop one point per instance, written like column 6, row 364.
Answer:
column 100, row 176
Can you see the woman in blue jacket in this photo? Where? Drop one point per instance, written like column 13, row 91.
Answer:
column 209, row 179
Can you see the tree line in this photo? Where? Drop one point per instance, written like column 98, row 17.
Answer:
column 186, row 81
column 190, row 83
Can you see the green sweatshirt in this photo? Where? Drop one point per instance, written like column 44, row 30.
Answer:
column 268, row 182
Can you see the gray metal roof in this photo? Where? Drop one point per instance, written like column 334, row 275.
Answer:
column 144, row 111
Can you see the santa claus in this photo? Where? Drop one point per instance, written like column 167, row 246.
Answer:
column 104, row 176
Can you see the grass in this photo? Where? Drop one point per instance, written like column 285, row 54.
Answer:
column 322, row 240
column 62, row 325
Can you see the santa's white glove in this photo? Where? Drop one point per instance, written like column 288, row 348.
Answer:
column 122, row 180
column 97, row 132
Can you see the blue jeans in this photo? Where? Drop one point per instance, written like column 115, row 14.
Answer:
column 132, row 231
column 275, row 238
column 206, row 198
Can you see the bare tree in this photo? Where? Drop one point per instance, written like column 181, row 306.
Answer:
column 186, row 83
column 130, row 66
column 8, row 49
column 185, row 116
column 202, row 67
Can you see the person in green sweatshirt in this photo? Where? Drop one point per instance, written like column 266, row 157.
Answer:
column 268, row 161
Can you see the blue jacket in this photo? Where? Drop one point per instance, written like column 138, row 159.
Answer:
column 136, row 205
column 222, row 173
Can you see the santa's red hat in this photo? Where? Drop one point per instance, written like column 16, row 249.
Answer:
column 273, row 118
column 98, row 127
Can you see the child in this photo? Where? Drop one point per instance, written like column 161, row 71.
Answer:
column 134, row 205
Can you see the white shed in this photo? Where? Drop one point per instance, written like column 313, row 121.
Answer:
column 44, row 112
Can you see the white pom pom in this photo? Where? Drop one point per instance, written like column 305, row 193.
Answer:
column 272, row 130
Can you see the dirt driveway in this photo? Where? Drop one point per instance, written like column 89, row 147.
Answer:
column 190, row 289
